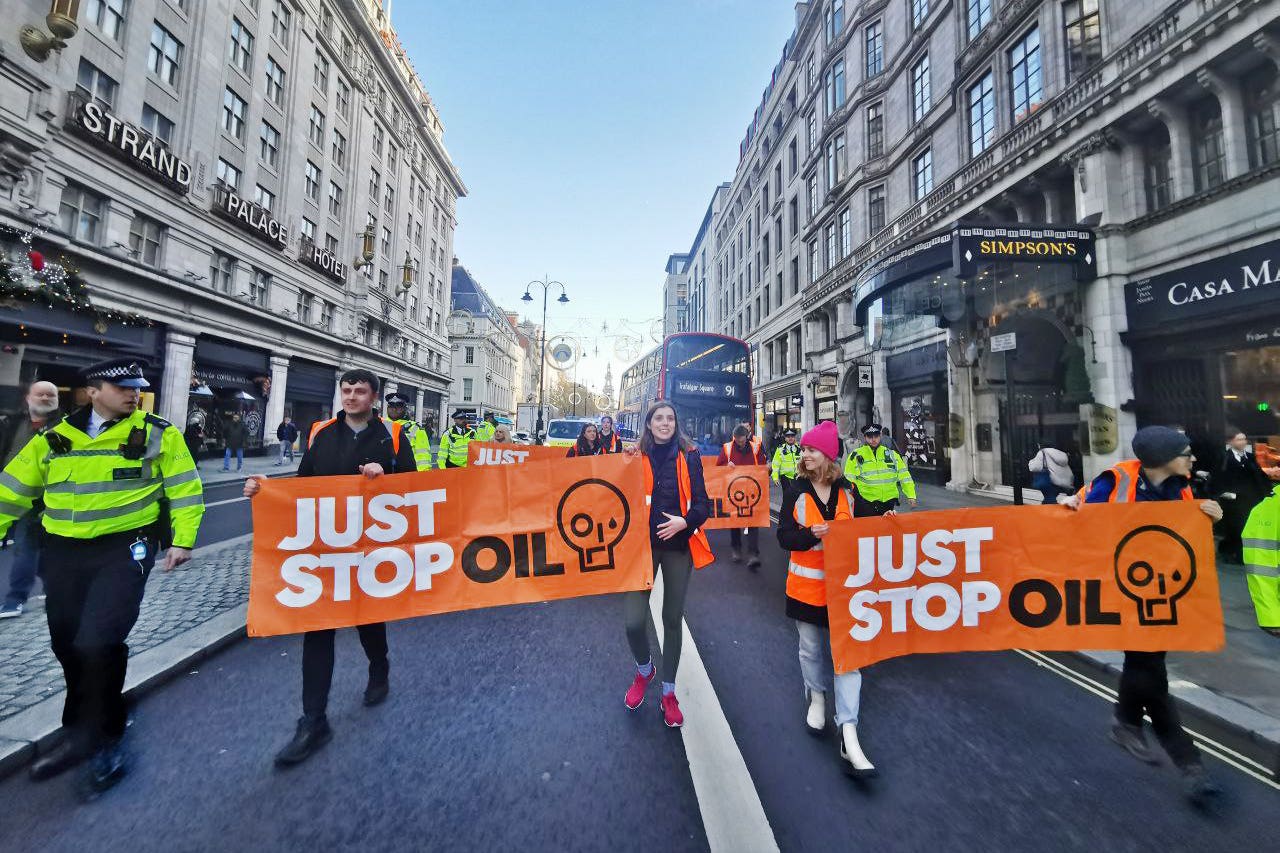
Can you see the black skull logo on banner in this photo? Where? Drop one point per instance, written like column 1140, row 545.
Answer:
column 1155, row 567
column 593, row 516
column 744, row 494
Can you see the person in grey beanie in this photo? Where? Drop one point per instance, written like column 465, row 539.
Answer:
column 1162, row 472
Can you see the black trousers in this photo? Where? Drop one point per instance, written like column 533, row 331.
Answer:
column 317, row 663
column 863, row 508
column 753, row 539
column 94, row 590
column 1144, row 688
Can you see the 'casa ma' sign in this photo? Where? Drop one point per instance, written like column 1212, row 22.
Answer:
column 253, row 218
column 1236, row 282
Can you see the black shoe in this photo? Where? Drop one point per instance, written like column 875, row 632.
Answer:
column 106, row 768
column 737, row 556
column 61, row 758
column 1131, row 739
column 1197, row 785
column 376, row 691
column 311, row 735
column 754, row 562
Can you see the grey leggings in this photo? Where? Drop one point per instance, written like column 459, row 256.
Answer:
column 676, row 567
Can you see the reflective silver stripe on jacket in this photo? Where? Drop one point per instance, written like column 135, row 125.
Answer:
column 60, row 514
column 1262, row 571
column 806, row 572
column 18, row 487
column 1261, row 544
column 99, row 488
column 1122, row 486
column 802, row 504
column 179, row 479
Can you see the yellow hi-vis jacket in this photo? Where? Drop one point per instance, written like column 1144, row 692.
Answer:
column 418, row 441
column 453, row 446
column 114, row 483
column 877, row 473
column 484, row 431
column 784, row 461
column 1261, row 538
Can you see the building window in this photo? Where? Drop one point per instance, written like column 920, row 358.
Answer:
column 339, row 148
column 814, row 262
column 241, row 48
column 146, row 237
column 165, row 55
column 1084, row 35
column 1208, row 152
column 156, row 124
column 327, row 311
column 978, row 15
column 264, row 197
column 375, row 181
column 378, row 135
column 793, row 160
column 315, row 127
column 469, row 355
column 875, row 130
column 468, row 386
column 389, row 197
column 386, row 241
column 834, row 20
column 228, row 175
column 919, row 11
column 393, row 159
column 875, row 210
column 108, row 15
column 303, row 305
column 1262, row 116
column 875, row 49
column 811, row 132
column 795, row 277
column 331, row 243
column 795, row 219
column 259, row 287
column 832, row 246
column 846, row 233
column 222, row 272
column 312, row 180
column 922, row 174
column 344, row 99
column 234, row 110
column 322, row 73
column 982, row 115
column 275, row 82
column 921, row 97
column 81, row 213
column 1024, row 75
column 95, row 85
column 269, row 145
column 280, row 18
column 308, row 230
column 813, row 197
column 835, row 87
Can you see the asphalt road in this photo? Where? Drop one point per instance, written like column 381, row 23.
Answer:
column 506, row 730
column 226, row 513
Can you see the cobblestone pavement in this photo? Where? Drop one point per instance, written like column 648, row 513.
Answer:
column 216, row 580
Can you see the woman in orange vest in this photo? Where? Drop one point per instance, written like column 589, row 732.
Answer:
column 678, row 506
column 820, row 494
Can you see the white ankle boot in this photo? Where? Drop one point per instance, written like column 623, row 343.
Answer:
column 858, row 764
column 816, row 717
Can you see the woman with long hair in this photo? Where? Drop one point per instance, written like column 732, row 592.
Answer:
column 610, row 441
column 678, row 507
column 588, row 443
column 818, row 495
column 501, row 434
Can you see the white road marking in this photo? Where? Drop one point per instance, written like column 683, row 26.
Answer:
column 732, row 815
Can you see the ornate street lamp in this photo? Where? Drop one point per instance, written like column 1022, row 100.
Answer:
column 61, row 21
column 406, row 274
column 542, row 362
column 365, row 258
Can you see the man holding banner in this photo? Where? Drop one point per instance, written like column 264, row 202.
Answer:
column 355, row 442
column 743, row 450
column 1162, row 472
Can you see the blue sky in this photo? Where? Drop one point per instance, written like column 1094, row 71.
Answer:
column 590, row 136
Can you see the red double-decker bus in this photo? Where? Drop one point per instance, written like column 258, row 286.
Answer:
column 706, row 376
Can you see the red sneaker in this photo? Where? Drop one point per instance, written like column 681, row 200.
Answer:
column 671, row 712
column 635, row 696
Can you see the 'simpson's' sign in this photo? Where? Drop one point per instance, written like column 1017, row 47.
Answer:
column 133, row 144
column 251, row 217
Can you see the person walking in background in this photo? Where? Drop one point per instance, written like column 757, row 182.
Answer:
column 743, row 450
column 783, row 466
column 588, row 443
column 1162, row 472
column 39, row 413
column 816, row 496
column 678, row 507
column 355, row 442
column 233, row 442
column 1050, row 472
column 287, row 433
column 877, row 473
column 610, row 441
column 1239, row 484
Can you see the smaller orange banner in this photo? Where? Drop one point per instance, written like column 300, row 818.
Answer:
column 1138, row 576
column 488, row 453
column 739, row 495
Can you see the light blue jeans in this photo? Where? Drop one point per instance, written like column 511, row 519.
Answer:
column 819, row 672
column 226, row 459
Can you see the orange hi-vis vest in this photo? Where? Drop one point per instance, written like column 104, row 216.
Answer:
column 754, row 444
column 806, row 570
column 699, row 547
column 393, row 427
column 1126, row 474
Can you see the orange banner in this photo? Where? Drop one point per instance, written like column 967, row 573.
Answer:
column 1135, row 576
column 330, row 552
column 739, row 495
column 488, row 453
